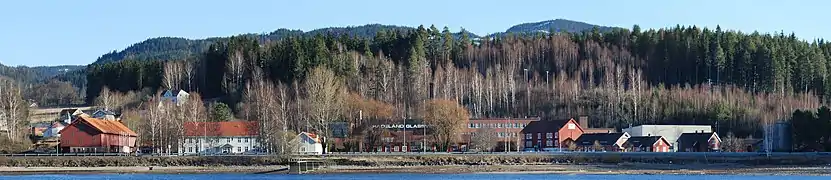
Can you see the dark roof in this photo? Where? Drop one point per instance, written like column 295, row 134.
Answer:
column 642, row 141
column 686, row 140
column 505, row 119
column 172, row 92
column 65, row 111
column 544, row 126
column 604, row 139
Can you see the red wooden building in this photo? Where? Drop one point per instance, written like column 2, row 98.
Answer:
column 647, row 144
column 699, row 142
column 549, row 135
column 87, row 135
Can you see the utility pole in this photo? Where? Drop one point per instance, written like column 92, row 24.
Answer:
column 527, row 92
column 403, row 148
column 504, row 135
column 361, row 121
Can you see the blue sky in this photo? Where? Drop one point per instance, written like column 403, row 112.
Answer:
column 53, row 32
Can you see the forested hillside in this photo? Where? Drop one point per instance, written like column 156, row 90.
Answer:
column 166, row 48
column 683, row 75
column 36, row 74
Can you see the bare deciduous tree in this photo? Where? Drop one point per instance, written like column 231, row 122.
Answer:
column 446, row 119
column 13, row 110
column 484, row 140
column 324, row 92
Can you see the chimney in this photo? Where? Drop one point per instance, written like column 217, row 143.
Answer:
column 583, row 121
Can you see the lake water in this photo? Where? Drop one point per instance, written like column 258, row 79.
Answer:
column 401, row 176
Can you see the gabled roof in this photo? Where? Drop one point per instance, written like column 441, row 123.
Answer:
column 604, row 139
column 687, row 140
column 311, row 136
column 173, row 92
column 68, row 111
column 219, row 129
column 547, row 126
column 41, row 125
column 104, row 126
column 644, row 141
column 599, row 130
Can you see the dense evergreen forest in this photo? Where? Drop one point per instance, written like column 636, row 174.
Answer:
column 683, row 75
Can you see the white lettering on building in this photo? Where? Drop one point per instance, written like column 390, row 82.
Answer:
column 400, row 126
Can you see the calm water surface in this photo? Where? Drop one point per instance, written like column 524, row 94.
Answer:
column 401, row 176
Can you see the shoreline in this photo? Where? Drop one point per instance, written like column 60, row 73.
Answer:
column 606, row 169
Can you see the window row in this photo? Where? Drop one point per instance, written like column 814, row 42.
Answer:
column 507, row 134
column 226, row 140
column 539, row 135
column 496, row 125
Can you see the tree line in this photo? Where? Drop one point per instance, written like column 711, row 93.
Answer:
column 684, row 75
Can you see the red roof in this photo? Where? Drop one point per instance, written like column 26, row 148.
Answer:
column 228, row 128
column 105, row 126
column 312, row 136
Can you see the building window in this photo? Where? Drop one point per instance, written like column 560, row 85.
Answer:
column 549, row 135
column 516, row 125
column 246, row 149
column 246, row 140
column 501, row 134
column 499, row 125
column 190, row 149
column 239, row 140
column 549, row 143
column 529, row 136
column 571, row 126
column 528, row 144
column 539, row 135
column 229, row 140
column 239, row 149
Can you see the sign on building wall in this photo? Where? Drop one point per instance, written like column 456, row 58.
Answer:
column 400, row 126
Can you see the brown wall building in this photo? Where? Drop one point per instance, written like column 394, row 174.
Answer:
column 545, row 135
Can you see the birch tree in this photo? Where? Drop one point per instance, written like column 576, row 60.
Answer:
column 13, row 110
column 324, row 92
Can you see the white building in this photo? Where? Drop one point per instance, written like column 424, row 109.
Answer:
column 669, row 132
column 308, row 143
column 232, row 137
column 176, row 96
column 105, row 115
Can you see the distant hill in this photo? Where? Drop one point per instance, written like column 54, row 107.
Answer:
column 38, row 73
column 557, row 25
column 169, row 48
